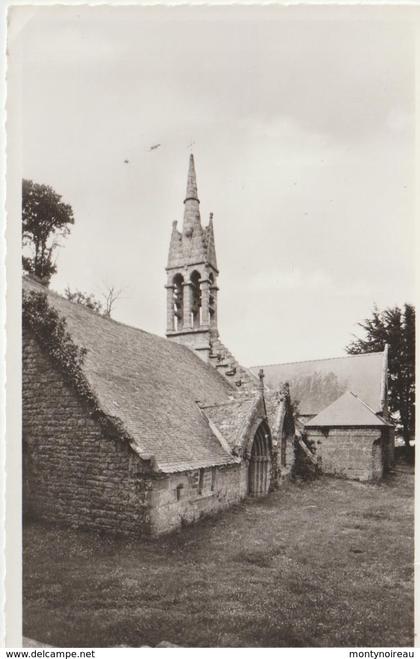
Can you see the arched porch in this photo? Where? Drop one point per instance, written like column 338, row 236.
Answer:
column 260, row 462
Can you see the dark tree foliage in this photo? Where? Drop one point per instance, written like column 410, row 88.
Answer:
column 45, row 218
column 395, row 327
column 50, row 329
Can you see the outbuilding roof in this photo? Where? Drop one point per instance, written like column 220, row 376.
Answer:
column 153, row 386
column 348, row 410
column 317, row 383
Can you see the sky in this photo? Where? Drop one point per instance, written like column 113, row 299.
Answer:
column 302, row 123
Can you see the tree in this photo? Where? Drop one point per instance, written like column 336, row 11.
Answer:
column 395, row 327
column 110, row 295
column 88, row 301
column 45, row 218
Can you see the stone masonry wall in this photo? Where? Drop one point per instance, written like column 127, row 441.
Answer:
column 197, row 340
column 184, row 497
column 72, row 473
column 285, row 461
column 378, row 455
column 349, row 452
column 286, row 454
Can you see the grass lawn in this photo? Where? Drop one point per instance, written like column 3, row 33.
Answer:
column 325, row 563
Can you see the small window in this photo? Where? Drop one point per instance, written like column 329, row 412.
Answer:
column 179, row 492
column 201, row 482
column 213, row 479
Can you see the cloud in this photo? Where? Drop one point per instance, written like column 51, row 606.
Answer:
column 303, row 126
column 340, row 77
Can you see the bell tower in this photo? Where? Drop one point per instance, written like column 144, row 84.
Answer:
column 192, row 277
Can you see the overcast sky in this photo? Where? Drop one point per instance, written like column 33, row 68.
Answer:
column 303, row 129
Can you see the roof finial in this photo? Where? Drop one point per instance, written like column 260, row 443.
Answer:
column 261, row 375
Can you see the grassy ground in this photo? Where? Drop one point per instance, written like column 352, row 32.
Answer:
column 327, row 563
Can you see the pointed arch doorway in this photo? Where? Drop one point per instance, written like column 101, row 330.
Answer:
column 260, row 463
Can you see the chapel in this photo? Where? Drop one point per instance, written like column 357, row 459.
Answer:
column 131, row 433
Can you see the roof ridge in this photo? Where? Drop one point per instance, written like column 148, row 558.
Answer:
column 178, row 346
column 315, row 420
column 321, row 359
column 239, row 399
column 50, row 291
column 363, row 402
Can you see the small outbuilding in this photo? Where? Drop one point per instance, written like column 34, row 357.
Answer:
column 350, row 440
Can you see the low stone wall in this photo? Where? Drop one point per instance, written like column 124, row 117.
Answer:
column 72, row 473
column 184, row 497
column 356, row 453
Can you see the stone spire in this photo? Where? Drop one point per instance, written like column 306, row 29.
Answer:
column 191, row 202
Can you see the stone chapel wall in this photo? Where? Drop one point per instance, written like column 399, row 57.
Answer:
column 72, row 473
column 184, row 497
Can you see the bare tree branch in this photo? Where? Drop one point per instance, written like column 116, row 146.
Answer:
column 110, row 296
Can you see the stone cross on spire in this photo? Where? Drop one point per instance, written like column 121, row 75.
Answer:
column 191, row 202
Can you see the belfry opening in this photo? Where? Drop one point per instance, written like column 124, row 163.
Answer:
column 178, row 301
column 196, row 315
column 260, row 462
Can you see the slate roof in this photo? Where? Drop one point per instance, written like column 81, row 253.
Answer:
column 151, row 385
column 229, row 418
column 348, row 410
column 317, row 383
